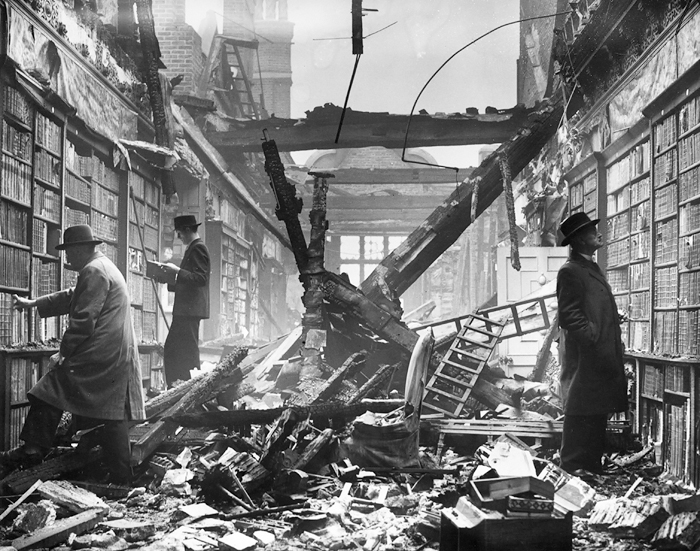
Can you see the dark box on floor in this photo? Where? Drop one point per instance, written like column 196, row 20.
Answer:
column 458, row 533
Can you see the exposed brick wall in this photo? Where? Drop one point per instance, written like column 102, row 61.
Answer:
column 238, row 19
column 180, row 45
column 276, row 64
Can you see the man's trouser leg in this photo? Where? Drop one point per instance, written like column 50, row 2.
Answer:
column 113, row 436
column 181, row 349
column 583, row 442
column 41, row 423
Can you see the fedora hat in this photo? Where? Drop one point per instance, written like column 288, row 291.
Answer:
column 78, row 235
column 185, row 221
column 574, row 223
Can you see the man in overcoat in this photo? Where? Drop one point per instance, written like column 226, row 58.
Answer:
column 96, row 375
column 191, row 287
column 593, row 382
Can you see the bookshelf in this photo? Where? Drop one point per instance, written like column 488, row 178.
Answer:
column 628, row 238
column 21, row 369
column 233, row 272
column 667, row 392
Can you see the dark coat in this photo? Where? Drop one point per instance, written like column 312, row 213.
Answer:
column 192, row 284
column 101, row 371
column 592, row 377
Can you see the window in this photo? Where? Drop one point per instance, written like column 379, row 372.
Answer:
column 361, row 254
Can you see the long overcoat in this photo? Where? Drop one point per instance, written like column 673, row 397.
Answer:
column 592, row 376
column 100, row 376
column 192, row 284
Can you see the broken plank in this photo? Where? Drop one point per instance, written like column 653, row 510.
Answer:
column 232, row 418
column 350, row 366
column 60, row 531
column 73, row 498
column 381, row 376
column 21, row 500
column 314, row 448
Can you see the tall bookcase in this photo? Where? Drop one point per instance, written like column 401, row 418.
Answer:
column 628, row 262
column 231, row 269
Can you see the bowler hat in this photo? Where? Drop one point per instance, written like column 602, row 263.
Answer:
column 185, row 221
column 574, row 223
column 78, row 235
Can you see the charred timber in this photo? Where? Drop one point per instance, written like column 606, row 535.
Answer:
column 330, row 410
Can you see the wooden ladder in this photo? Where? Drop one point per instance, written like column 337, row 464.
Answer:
column 451, row 384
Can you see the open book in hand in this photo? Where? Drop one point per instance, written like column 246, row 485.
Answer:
column 155, row 270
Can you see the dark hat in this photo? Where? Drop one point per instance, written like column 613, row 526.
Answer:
column 78, row 235
column 185, row 221
column 574, row 223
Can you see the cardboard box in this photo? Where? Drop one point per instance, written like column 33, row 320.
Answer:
column 460, row 533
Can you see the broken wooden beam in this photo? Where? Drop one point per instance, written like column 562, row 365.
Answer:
column 330, row 410
column 18, row 481
column 202, row 390
column 403, row 266
column 350, row 367
column 314, row 448
column 381, row 376
column 60, row 531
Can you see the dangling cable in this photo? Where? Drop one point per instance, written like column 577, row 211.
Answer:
column 347, row 97
column 410, row 116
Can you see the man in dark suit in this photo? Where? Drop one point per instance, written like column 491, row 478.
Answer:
column 593, row 382
column 191, row 304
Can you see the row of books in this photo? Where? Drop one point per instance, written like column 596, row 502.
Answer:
column 145, row 325
column 24, row 374
column 689, row 332
column 640, row 305
column 618, row 226
column 13, row 324
column 13, row 223
column 39, row 240
column 618, row 201
column 665, row 168
column 105, row 227
column 666, row 245
column 14, row 267
column 689, row 151
column 665, row 134
column 48, row 134
column 75, row 217
column 640, row 190
column 640, row 246
column 16, row 142
column 17, row 417
column 45, row 329
column 110, row 251
column 634, row 164
column 639, row 336
column 689, row 291
column 689, row 218
column 689, row 184
column 619, row 253
column 689, row 115
column 640, row 276
column 44, row 277
column 618, row 279
column 17, row 105
column 105, row 201
column 47, row 167
column 135, row 284
column 576, row 195
column 689, row 254
column 16, row 180
column 665, row 201
column 666, row 287
column 77, row 188
column 47, row 203
column 676, row 428
column 665, row 340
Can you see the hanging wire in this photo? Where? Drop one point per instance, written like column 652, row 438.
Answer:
column 347, row 97
column 410, row 116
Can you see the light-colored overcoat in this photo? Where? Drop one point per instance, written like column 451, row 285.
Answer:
column 100, row 376
column 592, row 377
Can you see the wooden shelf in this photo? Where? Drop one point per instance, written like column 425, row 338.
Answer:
column 666, row 183
column 665, row 264
column 46, row 256
column 16, row 158
column 37, row 145
column 49, row 185
column 47, row 220
column 15, row 201
column 77, row 202
column 72, row 172
column 17, row 123
column 677, row 393
column 689, row 132
column 654, row 398
column 666, row 217
column 666, row 150
column 15, row 245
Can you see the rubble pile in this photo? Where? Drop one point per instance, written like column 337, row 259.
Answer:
column 337, row 467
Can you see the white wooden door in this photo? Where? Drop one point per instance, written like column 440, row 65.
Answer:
column 538, row 267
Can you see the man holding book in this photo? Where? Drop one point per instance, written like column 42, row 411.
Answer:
column 96, row 374
column 190, row 282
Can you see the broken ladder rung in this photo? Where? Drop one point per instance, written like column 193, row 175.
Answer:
column 461, row 367
column 450, row 380
column 456, row 397
column 490, row 344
